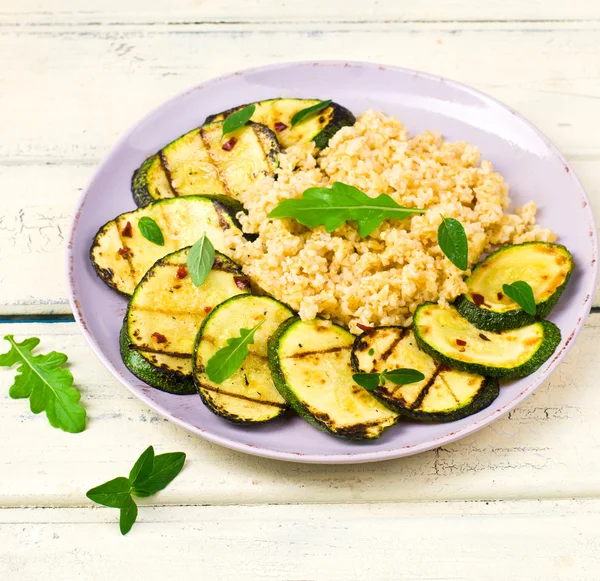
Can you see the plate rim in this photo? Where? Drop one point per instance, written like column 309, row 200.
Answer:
column 352, row 457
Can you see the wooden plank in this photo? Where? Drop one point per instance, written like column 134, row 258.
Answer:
column 96, row 81
column 144, row 11
column 547, row 448
column 33, row 230
column 528, row 541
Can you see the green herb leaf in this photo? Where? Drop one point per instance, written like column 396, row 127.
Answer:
column 522, row 294
column 143, row 466
column 453, row 242
column 238, row 119
column 200, row 260
column 331, row 207
column 404, row 376
column 166, row 467
column 371, row 352
column 227, row 360
column 367, row 380
column 43, row 380
column 151, row 231
column 313, row 109
column 113, row 493
column 128, row 514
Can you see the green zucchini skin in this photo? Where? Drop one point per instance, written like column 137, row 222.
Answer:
column 490, row 320
column 341, row 117
column 139, row 183
column 549, row 343
column 169, row 381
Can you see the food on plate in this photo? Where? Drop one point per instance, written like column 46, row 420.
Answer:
column 339, row 268
column 546, row 267
column 449, row 338
column 444, row 395
column 310, row 363
column 248, row 395
column 121, row 255
column 164, row 315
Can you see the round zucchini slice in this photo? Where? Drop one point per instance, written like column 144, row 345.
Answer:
column 164, row 315
column 444, row 395
column 311, row 368
column 449, row 338
column 545, row 266
column 249, row 395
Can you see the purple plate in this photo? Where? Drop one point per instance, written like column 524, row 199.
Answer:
column 530, row 163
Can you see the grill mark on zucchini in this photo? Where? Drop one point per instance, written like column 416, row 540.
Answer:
column 390, row 350
column 175, row 354
column 244, row 397
column 126, row 255
column 215, row 165
column 222, row 221
column 417, row 403
column 309, row 353
column 165, row 166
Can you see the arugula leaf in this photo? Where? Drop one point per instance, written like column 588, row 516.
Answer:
column 166, row 467
column 453, row 242
column 143, row 466
column 227, row 360
column 127, row 515
column 113, row 493
column 151, row 230
column 371, row 381
column 200, row 260
column 331, row 207
column 313, row 109
column 238, row 119
column 522, row 293
column 43, row 380
column 367, row 380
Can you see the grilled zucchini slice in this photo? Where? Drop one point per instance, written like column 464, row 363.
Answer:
column 445, row 395
column 248, row 396
column 197, row 164
column 547, row 268
column 276, row 113
column 449, row 338
column 164, row 315
column 311, row 368
column 121, row 255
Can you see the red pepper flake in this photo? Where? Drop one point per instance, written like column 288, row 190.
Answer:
column 230, row 144
column 128, row 230
column 500, row 296
column 181, row 272
column 280, row 126
column 207, row 309
column 159, row 338
column 364, row 327
column 460, row 342
column 125, row 252
column 241, row 282
column 483, row 337
column 478, row 299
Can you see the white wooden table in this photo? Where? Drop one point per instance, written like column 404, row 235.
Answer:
column 519, row 500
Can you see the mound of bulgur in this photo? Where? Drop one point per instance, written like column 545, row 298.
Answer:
column 381, row 279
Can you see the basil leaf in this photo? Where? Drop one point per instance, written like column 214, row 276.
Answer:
column 453, row 242
column 371, row 352
column 331, row 207
column 200, row 260
column 238, row 119
column 522, row 294
column 47, row 384
column 304, row 113
column 404, row 376
column 113, row 493
column 129, row 512
column 166, row 468
column 367, row 380
column 143, row 466
column 227, row 360
column 151, row 231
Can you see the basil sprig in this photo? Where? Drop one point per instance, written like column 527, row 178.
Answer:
column 200, row 260
column 370, row 381
column 149, row 474
column 238, row 119
column 453, row 242
column 522, row 293
column 331, row 207
column 312, row 110
column 151, row 231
